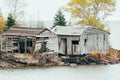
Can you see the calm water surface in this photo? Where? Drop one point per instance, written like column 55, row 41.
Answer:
column 92, row 72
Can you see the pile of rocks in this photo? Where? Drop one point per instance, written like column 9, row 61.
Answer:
column 85, row 60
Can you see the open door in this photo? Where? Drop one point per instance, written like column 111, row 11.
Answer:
column 63, row 46
column 75, row 47
column 22, row 46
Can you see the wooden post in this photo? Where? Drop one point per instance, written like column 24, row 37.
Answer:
column 18, row 41
column 25, row 46
column 12, row 44
column 33, row 45
column 6, row 45
column 69, row 45
column 58, row 43
column 1, row 43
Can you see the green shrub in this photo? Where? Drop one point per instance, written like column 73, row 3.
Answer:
column 43, row 48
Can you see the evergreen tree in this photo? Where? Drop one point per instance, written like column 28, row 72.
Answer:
column 10, row 21
column 43, row 48
column 59, row 19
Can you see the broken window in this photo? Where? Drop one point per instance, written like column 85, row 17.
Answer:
column 37, row 38
column 75, row 42
column 85, row 41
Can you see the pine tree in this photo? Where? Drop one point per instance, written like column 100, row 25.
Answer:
column 10, row 21
column 59, row 19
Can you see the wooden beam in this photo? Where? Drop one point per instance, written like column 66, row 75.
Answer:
column 25, row 46
column 1, row 43
column 12, row 44
column 6, row 44
column 18, row 41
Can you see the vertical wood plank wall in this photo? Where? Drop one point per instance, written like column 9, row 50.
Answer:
column 95, row 42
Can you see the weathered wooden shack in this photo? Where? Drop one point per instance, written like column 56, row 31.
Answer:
column 76, row 40
column 20, row 39
column 72, row 40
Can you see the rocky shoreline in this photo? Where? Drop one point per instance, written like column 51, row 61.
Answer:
column 26, row 60
column 52, row 59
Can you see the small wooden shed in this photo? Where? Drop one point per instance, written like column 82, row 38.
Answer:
column 76, row 40
column 20, row 39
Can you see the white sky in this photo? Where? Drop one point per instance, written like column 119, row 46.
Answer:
column 46, row 9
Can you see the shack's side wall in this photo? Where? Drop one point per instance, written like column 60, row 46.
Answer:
column 7, row 44
column 97, row 40
column 52, row 44
column 94, row 42
column 10, row 44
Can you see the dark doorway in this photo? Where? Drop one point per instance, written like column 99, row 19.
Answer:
column 29, row 43
column 29, row 46
column 65, row 45
column 22, row 46
column 25, row 45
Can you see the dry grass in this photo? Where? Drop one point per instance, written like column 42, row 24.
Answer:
column 25, row 56
column 112, row 51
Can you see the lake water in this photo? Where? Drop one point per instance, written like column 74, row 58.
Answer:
column 91, row 72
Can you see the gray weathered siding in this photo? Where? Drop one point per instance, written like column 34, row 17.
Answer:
column 95, row 42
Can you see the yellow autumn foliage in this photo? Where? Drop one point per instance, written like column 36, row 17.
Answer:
column 95, row 53
column 91, row 12
column 92, row 21
column 2, row 23
column 74, row 2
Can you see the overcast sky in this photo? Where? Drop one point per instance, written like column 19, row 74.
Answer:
column 46, row 9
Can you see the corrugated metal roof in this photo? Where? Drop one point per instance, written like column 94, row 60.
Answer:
column 69, row 30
